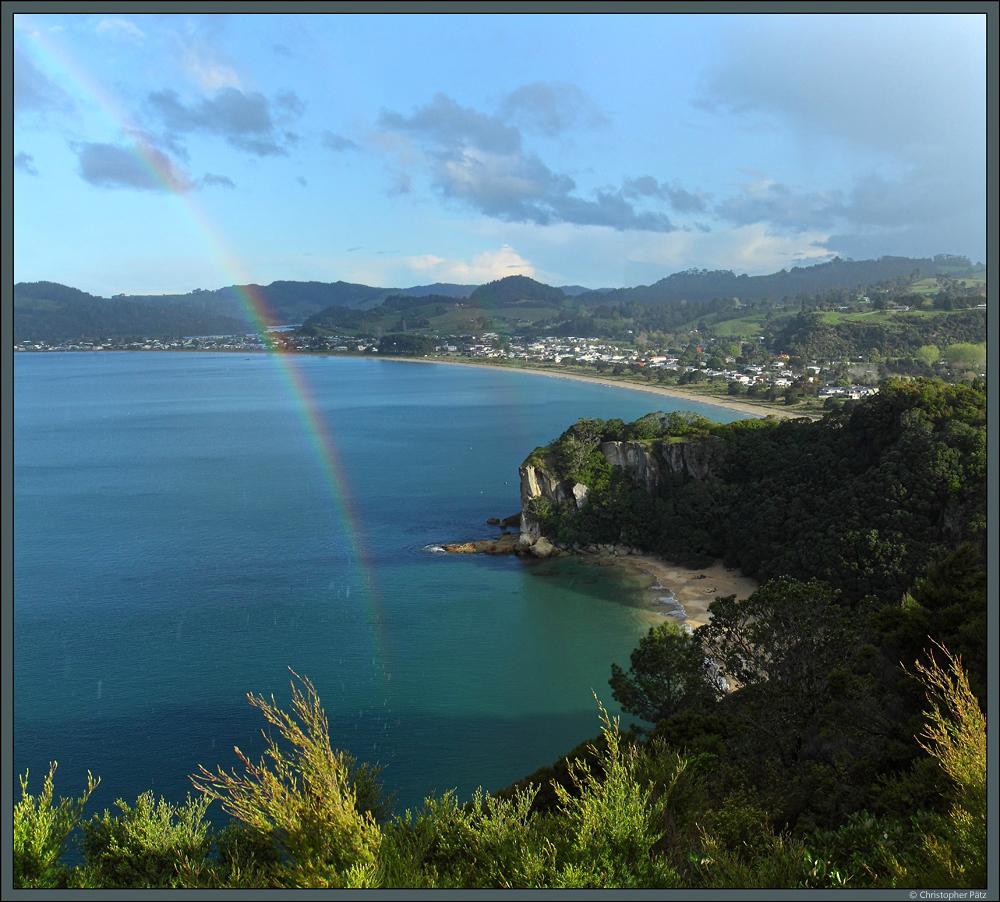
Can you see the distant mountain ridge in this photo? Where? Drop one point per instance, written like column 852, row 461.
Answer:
column 706, row 285
column 54, row 312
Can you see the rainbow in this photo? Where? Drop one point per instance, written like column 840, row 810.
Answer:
column 254, row 304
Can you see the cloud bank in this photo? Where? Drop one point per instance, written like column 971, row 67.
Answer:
column 35, row 92
column 870, row 89
column 25, row 162
column 137, row 166
column 481, row 268
column 480, row 160
column 247, row 121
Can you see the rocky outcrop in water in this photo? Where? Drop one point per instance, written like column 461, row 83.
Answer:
column 505, row 544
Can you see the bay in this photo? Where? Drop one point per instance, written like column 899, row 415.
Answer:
column 189, row 526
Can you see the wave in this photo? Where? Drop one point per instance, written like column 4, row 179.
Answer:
column 673, row 607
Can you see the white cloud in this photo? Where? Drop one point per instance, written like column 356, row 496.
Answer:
column 136, row 165
column 484, row 267
column 551, row 109
column 765, row 200
column 202, row 59
column 600, row 257
column 211, row 179
column 855, row 77
column 34, row 92
column 25, row 162
column 337, row 142
column 244, row 119
column 120, row 28
column 209, row 74
column 754, row 249
column 851, row 81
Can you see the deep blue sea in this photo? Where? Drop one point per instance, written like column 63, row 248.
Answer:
column 188, row 526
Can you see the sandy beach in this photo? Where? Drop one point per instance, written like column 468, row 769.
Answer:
column 694, row 589
column 668, row 391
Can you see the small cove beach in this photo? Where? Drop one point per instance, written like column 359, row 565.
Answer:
column 694, row 590
column 671, row 584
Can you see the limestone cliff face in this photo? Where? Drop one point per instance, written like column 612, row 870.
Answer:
column 699, row 458
column 696, row 459
column 539, row 480
column 636, row 459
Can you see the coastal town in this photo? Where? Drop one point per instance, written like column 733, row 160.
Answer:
column 771, row 377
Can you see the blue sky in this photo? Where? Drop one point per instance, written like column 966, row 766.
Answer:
column 163, row 153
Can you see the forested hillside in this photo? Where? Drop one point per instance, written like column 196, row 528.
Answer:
column 810, row 336
column 281, row 302
column 50, row 312
column 47, row 311
column 862, row 499
column 867, row 530
column 514, row 290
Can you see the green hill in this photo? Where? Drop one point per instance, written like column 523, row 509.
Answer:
column 48, row 311
column 516, row 290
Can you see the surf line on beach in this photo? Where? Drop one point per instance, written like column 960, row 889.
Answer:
column 685, row 594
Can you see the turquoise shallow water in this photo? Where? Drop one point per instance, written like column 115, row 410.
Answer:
column 188, row 527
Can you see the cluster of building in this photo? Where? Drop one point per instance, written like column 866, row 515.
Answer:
column 201, row 343
column 491, row 346
column 597, row 353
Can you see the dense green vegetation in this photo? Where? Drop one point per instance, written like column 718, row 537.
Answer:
column 810, row 335
column 630, row 815
column 397, row 313
column 862, row 498
column 867, row 530
column 282, row 301
column 827, row 731
column 509, row 305
column 898, row 333
column 513, row 291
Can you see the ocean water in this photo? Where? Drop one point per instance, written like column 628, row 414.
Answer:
column 187, row 527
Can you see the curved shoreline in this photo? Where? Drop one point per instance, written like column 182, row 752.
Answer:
column 752, row 410
column 695, row 590
column 671, row 392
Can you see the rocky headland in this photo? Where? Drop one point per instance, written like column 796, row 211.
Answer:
column 680, row 593
column 541, row 481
